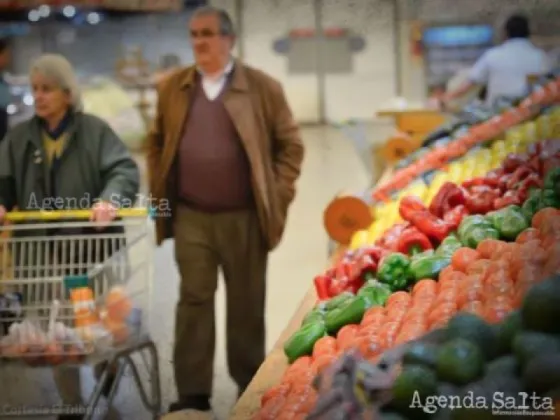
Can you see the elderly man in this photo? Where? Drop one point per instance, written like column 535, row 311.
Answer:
column 225, row 152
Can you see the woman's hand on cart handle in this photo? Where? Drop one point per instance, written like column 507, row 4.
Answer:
column 3, row 213
column 103, row 213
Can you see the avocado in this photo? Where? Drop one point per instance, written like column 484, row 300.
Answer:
column 478, row 392
column 528, row 344
column 391, row 416
column 445, row 390
column 413, row 379
column 474, row 329
column 503, row 366
column 542, row 373
column 460, row 362
column 541, row 307
column 507, row 330
column 420, row 353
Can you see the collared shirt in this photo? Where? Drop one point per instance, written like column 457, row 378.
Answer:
column 504, row 69
column 213, row 86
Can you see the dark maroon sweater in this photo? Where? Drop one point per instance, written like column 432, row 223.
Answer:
column 214, row 171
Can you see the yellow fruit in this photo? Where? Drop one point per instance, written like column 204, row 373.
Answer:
column 359, row 239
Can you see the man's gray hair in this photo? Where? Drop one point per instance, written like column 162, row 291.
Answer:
column 58, row 69
column 226, row 24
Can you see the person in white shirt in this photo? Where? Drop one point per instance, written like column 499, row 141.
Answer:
column 504, row 69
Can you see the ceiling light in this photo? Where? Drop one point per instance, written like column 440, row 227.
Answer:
column 44, row 11
column 69, row 11
column 93, row 18
column 33, row 15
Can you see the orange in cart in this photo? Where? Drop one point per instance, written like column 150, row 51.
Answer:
column 118, row 305
column 85, row 313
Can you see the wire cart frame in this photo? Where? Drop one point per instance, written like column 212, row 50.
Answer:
column 79, row 294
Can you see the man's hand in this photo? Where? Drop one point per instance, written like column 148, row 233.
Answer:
column 3, row 213
column 103, row 213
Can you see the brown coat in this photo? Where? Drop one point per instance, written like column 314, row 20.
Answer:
column 270, row 136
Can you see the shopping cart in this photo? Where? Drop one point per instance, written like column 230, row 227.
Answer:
column 75, row 294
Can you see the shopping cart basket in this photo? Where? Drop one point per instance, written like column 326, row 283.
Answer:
column 73, row 293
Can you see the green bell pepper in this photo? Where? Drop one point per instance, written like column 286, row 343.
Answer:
column 351, row 312
column 338, row 301
column 376, row 293
column 429, row 267
column 539, row 199
column 448, row 246
column 474, row 229
column 509, row 222
column 552, row 181
column 394, row 271
column 313, row 316
column 470, row 221
column 302, row 341
column 424, row 254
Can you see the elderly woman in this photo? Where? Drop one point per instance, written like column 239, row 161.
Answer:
column 64, row 153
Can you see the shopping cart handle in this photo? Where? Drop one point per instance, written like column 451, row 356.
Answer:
column 49, row 215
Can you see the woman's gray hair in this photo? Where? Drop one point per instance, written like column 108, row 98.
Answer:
column 58, row 69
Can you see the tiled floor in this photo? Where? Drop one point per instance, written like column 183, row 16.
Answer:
column 331, row 165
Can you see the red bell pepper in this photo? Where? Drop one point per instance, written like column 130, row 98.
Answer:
column 513, row 161
column 511, row 197
column 455, row 216
column 448, row 197
column 389, row 239
column 374, row 252
column 518, row 175
column 413, row 210
column 367, row 268
column 322, row 284
column 480, row 200
column 412, row 241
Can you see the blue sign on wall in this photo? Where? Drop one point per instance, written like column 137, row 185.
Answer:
column 458, row 36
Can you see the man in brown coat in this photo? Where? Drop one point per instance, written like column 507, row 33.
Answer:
column 225, row 152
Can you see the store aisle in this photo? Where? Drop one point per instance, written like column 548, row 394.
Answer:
column 331, row 165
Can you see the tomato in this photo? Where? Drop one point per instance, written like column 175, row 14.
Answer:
column 527, row 235
column 449, row 295
column 551, row 241
column 469, row 295
column 280, row 390
column 497, row 311
column 396, row 315
column 409, row 335
column 398, row 299
column 441, row 311
column 325, row 345
column 323, row 361
column 373, row 315
column 370, row 346
column 498, row 266
column 472, row 281
column 451, row 280
column 387, row 334
column 425, row 287
column 463, row 257
column 271, row 410
column 488, row 247
column 475, row 307
column 449, row 274
column 529, row 274
column 519, row 294
column 367, row 330
column 346, row 336
column 300, row 366
column 478, row 267
column 543, row 218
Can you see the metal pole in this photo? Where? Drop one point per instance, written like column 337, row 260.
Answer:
column 320, row 66
column 238, row 13
column 397, row 47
